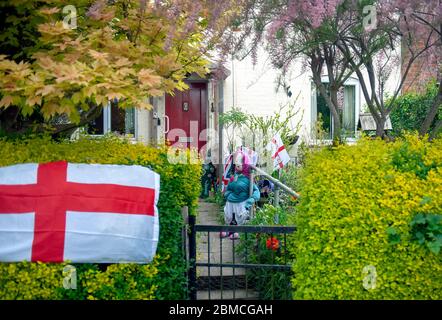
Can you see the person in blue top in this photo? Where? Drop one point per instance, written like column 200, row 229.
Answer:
column 237, row 194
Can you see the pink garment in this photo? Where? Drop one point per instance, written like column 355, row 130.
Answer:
column 246, row 163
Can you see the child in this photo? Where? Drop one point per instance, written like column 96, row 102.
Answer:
column 239, row 201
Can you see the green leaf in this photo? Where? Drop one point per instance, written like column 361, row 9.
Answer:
column 420, row 237
column 434, row 247
column 393, row 236
column 77, row 97
column 425, row 200
column 418, row 219
column 434, row 219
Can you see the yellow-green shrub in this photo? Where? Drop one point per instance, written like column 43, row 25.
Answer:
column 26, row 280
column 180, row 186
column 351, row 197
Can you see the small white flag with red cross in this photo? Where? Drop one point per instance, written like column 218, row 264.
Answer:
column 279, row 154
column 60, row 211
column 227, row 168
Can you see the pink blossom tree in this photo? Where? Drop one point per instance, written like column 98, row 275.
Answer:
column 333, row 38
column 292, row 30
column 405, row 32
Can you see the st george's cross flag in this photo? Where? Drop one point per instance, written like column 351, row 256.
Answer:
column 279, row 154
column 95, row 213
column 228, row 163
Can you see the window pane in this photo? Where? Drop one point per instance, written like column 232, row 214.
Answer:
column 349, row 116
column 323, row 114
column 122, row 120
column 117, row 118
column 130, row 121
column 96, row 125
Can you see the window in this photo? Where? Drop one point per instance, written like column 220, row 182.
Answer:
column 113, row 119
column 347, row 113
column 96, row 126
column 323, row 115
column 122, row 120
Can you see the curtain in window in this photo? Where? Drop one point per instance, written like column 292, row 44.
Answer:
column 348, row 119
column 129, row 120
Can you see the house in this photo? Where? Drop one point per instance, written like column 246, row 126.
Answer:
column 191, row 118
column 185, row 119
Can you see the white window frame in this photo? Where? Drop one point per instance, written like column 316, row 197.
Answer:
column 107, row 122
column 314, row 104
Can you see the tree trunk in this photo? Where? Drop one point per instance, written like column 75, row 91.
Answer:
column 332, row 103
column 67, row 129
column 12, row 123
column 8, row 119
column 380, row 126
column 335, row 113
column 432, row 113
column 436, row 129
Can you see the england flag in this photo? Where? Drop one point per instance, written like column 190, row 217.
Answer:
column 83, row 213
column 279, row 154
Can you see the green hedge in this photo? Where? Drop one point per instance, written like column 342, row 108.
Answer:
column 410, row 110
column 369, row 222
column 164, row 278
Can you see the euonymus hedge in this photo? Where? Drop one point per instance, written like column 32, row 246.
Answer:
column 164, row 278
column 368, row 223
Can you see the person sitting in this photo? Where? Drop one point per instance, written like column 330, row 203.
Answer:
column 237, row 194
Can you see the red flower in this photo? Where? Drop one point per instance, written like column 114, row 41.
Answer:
column 272, row 243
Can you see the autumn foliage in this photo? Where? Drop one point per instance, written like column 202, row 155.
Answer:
column 129, row 50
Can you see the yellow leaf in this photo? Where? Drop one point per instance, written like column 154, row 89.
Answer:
column 33, row 100
column 146, row 77
column 144, row 105
column 114, row 95
column 45, row 62
column 45, row 90
column 49, row 109
column 156, row 93
column 53, row 29
column 98, row 55
column 49, row 11
column 122, row 62
column 6, row 101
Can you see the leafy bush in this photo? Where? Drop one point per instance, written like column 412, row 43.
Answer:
column 270, row 284
column 427, row 229
column 355, row 235
column 165, row 276
column 28, row 280
column 411, row 109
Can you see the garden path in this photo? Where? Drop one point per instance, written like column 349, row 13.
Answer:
column 221, row 251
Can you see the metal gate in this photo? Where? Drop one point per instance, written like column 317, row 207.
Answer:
column 222, row 268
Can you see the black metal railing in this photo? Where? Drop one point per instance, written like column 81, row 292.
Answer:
column 226, row 276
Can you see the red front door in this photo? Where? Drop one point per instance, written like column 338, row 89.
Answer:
column 186, row 113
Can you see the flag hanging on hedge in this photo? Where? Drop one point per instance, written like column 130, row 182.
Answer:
column 61, row 211
column 279, row 154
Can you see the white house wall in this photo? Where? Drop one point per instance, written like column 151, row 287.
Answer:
column 252, row 88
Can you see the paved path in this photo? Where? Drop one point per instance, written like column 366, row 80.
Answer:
column 221, row 251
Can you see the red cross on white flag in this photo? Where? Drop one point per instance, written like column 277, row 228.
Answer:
column 279, row 154
column 60, row 211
